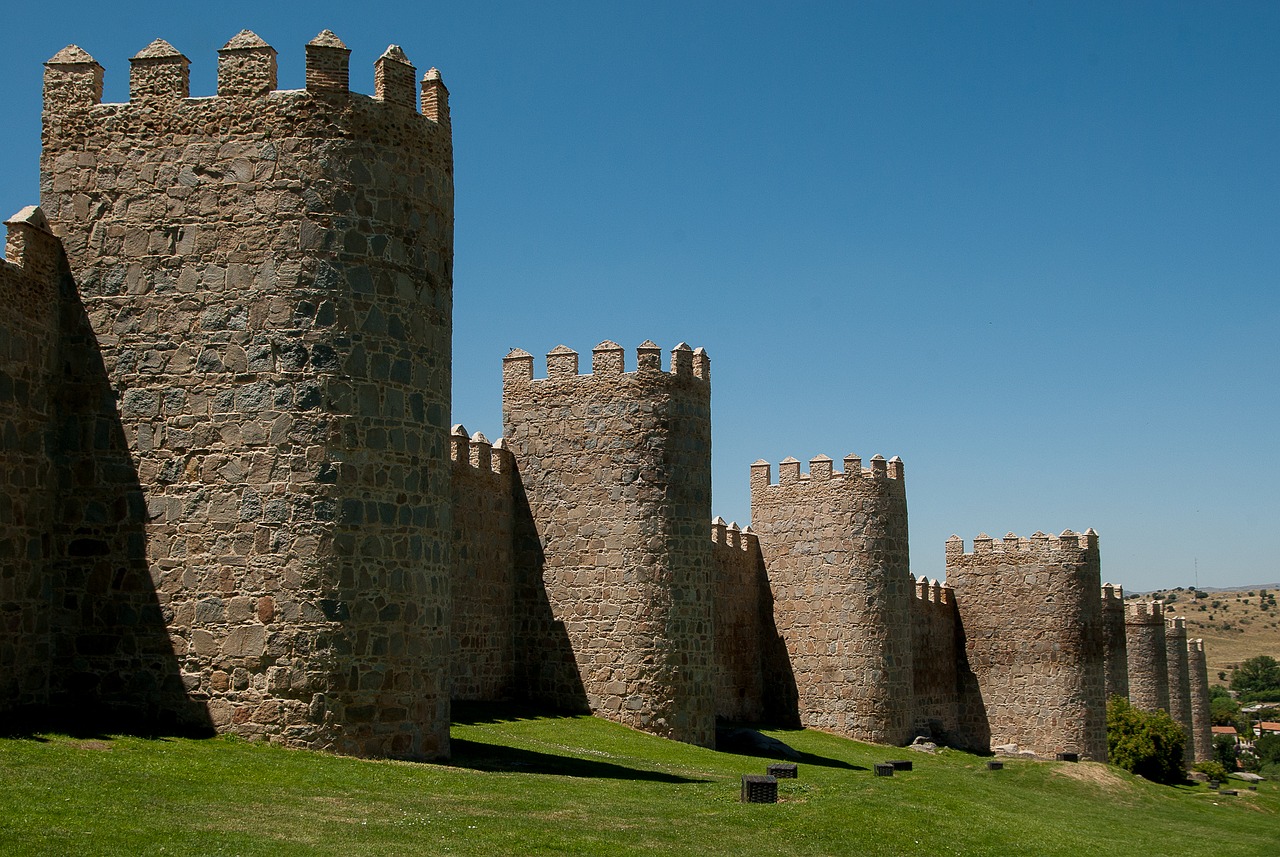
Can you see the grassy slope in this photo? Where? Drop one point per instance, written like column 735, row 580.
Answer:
column 541, row 785
column 1237, row 629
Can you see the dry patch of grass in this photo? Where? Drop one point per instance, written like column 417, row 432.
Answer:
column 1095, row 774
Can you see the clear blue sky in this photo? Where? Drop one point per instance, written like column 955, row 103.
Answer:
column 1030, row 247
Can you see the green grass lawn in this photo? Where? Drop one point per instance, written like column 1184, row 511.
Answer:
column 577, row 785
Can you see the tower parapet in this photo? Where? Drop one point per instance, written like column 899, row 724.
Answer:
column 268, row 275
column 1148, row 658
column 616, row 470
column 835, row 547
column 1033, row 628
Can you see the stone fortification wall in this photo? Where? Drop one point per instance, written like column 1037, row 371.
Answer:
column 482, row 630
column 835, row 547
column 1148, row 661
column 616, row 567
column 30, row 294
column 268, row 277
column 1201, row 722
column 741, row 631
column 935, row 657
column 1115, row 654
column 1032, row 620
column 1175, row 646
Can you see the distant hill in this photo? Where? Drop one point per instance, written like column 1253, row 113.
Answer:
column 1235, row 624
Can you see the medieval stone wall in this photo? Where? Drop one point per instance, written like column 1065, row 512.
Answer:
column 267, row 276
column 741, row 633
column 935, row 660
column 617, row 592
column 1175, row 645
column 482, row 629
column 1115, row 651
column 30, row 292
column 1032, row 619
column 835, row 547
column 1201, row 723
column 1148, row 661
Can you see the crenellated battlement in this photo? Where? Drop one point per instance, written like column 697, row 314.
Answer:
column 607, row 361
column 821, row 470
column 984, row 544
column 1175, row 625
column 34, row 254
column 476, row 452
column 1112, row 592
column 730, row 536
column 933, row 592
column 1144, row 613
column 159, row 75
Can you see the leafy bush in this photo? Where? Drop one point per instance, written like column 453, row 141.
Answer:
column 1147, row 744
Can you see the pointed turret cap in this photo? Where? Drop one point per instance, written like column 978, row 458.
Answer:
column 326, row 39
column 243, row 41
column 157, row 50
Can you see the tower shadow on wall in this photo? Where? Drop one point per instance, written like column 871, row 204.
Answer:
column 781, row 698
column 974, row 731
column 546, row 670
column 113, row 666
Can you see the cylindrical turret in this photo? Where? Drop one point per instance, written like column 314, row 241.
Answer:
column 1148, row 662
column 1175, row 646
column 1201, row 721
column 1115, row 654
column 268, row 277
column 1033, row 630
column 835, row 548
column 617, row 592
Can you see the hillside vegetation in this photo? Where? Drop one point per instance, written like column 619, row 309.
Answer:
column 1236, row 624
column 533, row 785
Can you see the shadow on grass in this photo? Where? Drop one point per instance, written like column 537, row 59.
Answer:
column 490, row 713
column 742, row 742
column 495, row 758
column 34, row 725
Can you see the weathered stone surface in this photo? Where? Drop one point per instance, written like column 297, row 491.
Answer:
column 1148, row 661
column 1032, row 620
column 835, row 547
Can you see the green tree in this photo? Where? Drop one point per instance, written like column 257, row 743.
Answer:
column 1267, row 751
column 1223, row 710
column 1257, row 675
column 1149, row 745
column 1224, row 751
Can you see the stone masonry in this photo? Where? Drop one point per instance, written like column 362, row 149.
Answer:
column 268, row 277
column 616, row 467
column 1175, row 646
column 232, row 500
column 1148, row 661
column 1201, row 724
column 1038, row 655
column 835, row 546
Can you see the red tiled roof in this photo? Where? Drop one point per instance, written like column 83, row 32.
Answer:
column 1269, row 725
column 1224, row 730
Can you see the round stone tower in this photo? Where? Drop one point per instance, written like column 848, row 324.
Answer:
column 1201, row 722
column 1175, row 646
column 268, row 277
column 835, row 547
column 1148, row 661
column 1032, row 620
column 613, row 556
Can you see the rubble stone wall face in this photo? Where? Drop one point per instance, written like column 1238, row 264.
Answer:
column 740, row 632
column 835, row 547
column 1032, row 620
column 615, row 469
column 483, row 616
column 30, row 292
column 1201, row 722
column 1115, row 655
column 268, row 277
column 1148, row 661
column 935, row 665
column 1175, row 645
